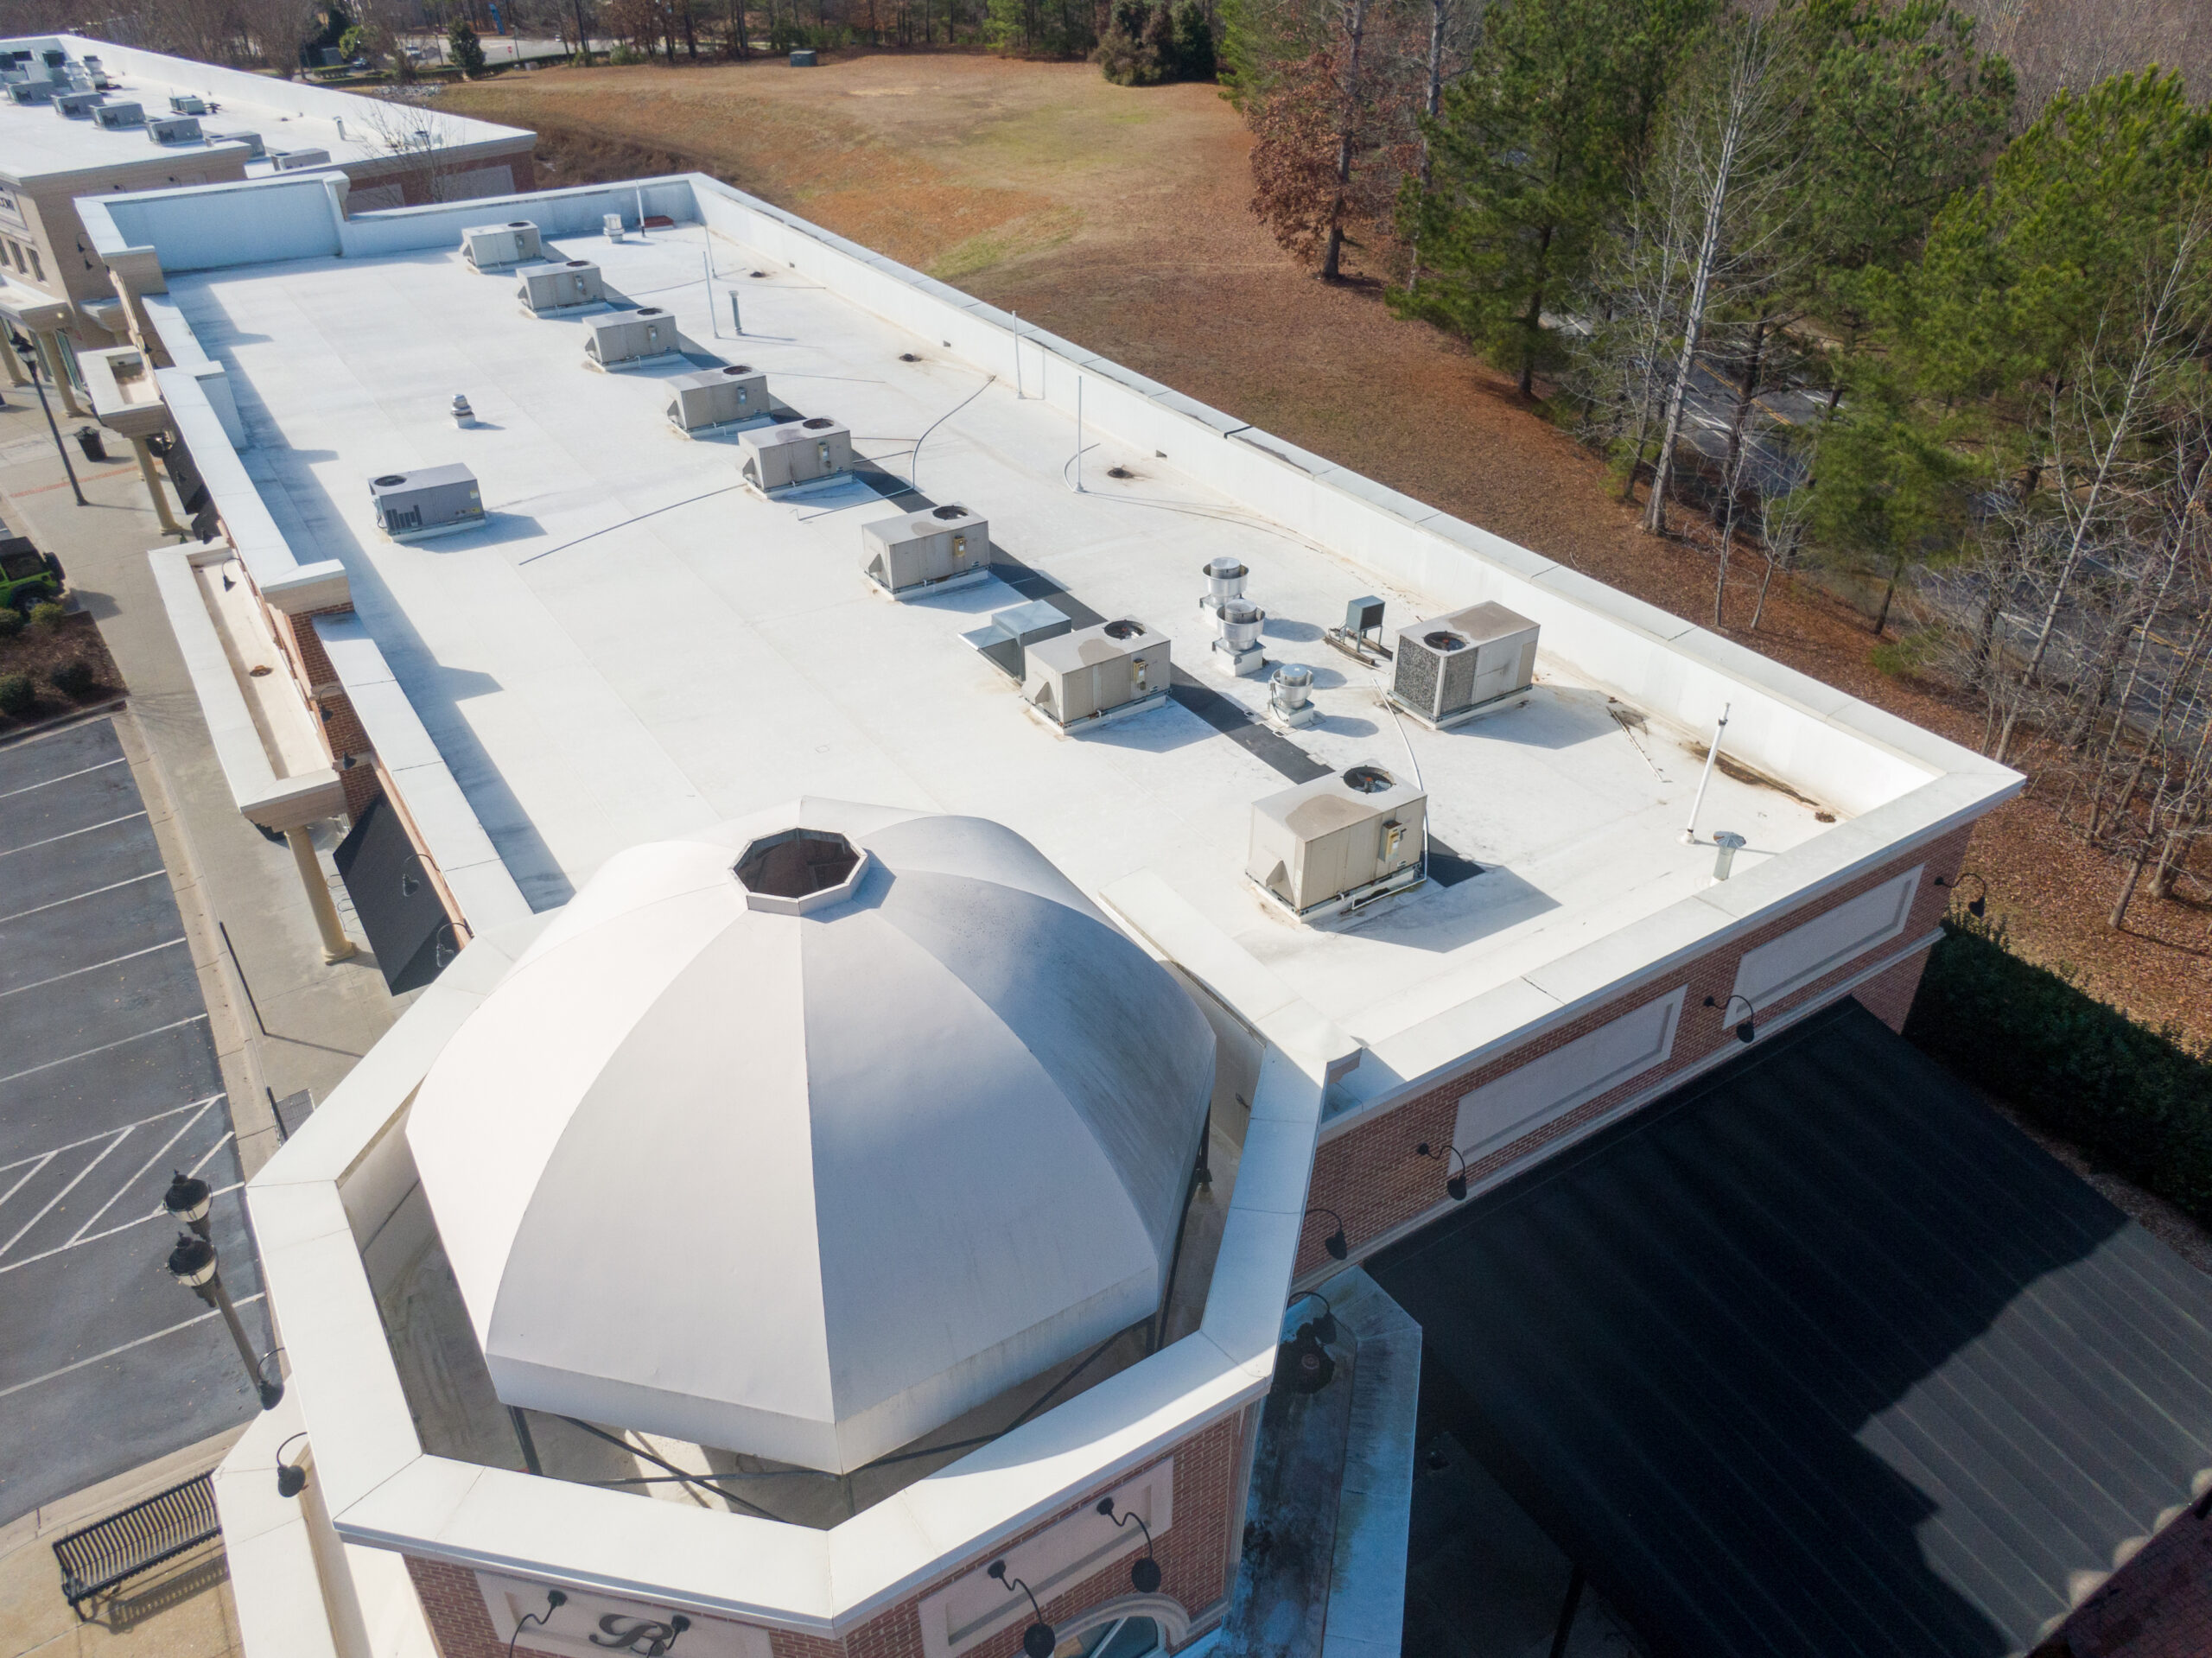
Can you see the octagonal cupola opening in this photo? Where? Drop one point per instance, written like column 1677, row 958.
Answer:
column 795, row 871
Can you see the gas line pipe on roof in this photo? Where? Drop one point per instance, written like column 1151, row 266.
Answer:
column 1712, row 753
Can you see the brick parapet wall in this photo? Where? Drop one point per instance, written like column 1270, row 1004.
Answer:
column 2156, row 1605
column 1193, row 1556
column 1370, row 1176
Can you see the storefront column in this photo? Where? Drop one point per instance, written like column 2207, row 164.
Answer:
column 336, row 946
column 50, row 350
column 154, row 487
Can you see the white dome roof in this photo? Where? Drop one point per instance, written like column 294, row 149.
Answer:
column 809, row 1184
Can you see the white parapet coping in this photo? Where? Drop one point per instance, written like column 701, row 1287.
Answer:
column 346, row 1170
column 275, row 801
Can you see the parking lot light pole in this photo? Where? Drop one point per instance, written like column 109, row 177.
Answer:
column 189, row 1199
column 192, row 1263
column 29, row 354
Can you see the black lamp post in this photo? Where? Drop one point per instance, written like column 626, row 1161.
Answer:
column 1038, row 1640
column 1455, row 1184
column 29, row 352
column 188, row 1200
column 1747, row 1029
column 1144, row 1575
column 192, row 1263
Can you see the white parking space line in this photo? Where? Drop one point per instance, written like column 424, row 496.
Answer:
column 118, row 1228
column 113, row 885
column 84, row 772
column 112, row 960
column 212, row 1312
column 43, row 1157
column 36, row 1164
column 120, row 1135
column 104, row 1047
column 32, row 845
column 117, row 1197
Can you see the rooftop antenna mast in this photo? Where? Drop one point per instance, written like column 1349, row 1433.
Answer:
column 1712, row 753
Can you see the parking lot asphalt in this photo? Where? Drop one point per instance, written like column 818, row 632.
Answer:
column 108, row 1084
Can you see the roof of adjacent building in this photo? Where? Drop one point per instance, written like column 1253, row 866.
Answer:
column 805, row 1161
column 37, row 142
column 1819, row 1354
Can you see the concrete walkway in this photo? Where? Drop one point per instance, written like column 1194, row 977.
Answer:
column 282, row 1020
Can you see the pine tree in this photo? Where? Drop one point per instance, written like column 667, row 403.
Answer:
column 465, row 50
column 1194, row 43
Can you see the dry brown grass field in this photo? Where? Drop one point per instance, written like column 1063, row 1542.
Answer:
column 1116, row 217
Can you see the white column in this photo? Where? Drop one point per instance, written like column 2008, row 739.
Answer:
column 336, row 946
column 154, row 487
column 50, row 348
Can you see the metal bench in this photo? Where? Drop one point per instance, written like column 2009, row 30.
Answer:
column 96, row 1557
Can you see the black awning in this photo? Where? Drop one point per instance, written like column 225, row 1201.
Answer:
column 1818, row 1355
column 394, row 898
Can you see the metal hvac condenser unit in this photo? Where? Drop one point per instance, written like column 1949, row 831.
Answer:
column 30, row 92
column 629, row 337
column 430, row 501
column 298, row 160
column 770, row 457
column 255, row 150
column 187, row 104
column 76, row 106
column 1338, row 843
column 924, row 552
column 117, row 117
column 1455, row 667
column 172, row 130
column 1097, row 673
column 719, row 396
column 1006, row 640
column 486, row 246
column 565, row 286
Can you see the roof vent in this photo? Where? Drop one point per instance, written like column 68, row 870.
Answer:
column 1095, row 674
column 935, row 551
column 487, row 247
column 1225, row 582
column 1473, row 662
column 1340, row 844
column 799, row 870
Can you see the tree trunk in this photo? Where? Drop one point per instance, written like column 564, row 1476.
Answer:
column 1889, row 593
column 1746, row 389
column 1429, row 106
column 1355, row 31
column 1765, row 581
column 2127, row 889
column 1534, row 320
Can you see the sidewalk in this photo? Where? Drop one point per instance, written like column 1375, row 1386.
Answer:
column 284, row 1021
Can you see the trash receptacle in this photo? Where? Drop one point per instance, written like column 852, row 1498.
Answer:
column 88, row 440
column 803, row 59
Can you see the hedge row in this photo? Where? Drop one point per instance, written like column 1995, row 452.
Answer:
column 2134, row 1100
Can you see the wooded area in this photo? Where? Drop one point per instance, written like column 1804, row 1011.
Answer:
column 1832, row 290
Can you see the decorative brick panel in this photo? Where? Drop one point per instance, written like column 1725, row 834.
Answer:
column 1370, row 1176
column 1193, row 1556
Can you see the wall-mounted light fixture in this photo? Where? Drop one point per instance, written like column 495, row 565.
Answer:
column 1325, row 1327
column 1144, row 1575
column 1038, row 1640
column 1334, row 1243
column 1747, row 1029
column 1978, row 906
column 1455, row 1184
column 291, row 1476
column 555, row 1600
column 411, row 883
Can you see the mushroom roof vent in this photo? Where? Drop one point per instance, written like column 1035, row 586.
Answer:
column 804, row 1135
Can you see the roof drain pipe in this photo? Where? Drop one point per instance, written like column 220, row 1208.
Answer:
column 1712, row 753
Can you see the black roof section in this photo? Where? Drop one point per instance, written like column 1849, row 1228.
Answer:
column 1819, row 1356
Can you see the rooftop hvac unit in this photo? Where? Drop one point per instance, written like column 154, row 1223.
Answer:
column 297, row 161
column 1005, row 640
column 55, row 56
column 946, row 547
column 488, row 246
column 117, row 117
column 770, row 457
column 1095, row 674
column 254, row 149
column 77, row 106
column 568, row 285
column 719, row 396
column 187, row 104
column 1458, row 666
column 629, row 337
column 431, row 501
column 1338, row 843
column 173, row 129
column 30, row 92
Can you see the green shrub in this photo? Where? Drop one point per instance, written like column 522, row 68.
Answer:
column 464, row 49
column 74, row 678
column 625, row 54
column 2134, row 1099
column 12, row 621
column 50, row 615
column 15, row 693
